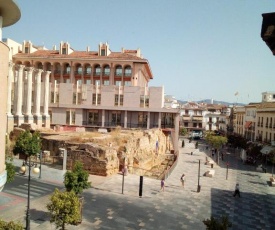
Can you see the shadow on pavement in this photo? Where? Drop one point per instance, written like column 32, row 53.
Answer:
column 251, row 211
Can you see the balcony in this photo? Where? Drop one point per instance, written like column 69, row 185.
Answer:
column 78, row 72
column 118, row 74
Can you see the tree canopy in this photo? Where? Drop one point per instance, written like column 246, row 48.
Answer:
column 64, row 208
column 27, row 143
column 77, row 179
column 215, row 140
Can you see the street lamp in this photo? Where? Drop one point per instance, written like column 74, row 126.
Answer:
column 23, row 170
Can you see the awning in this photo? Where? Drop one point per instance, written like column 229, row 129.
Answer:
column 267, row 149
column 247, row 124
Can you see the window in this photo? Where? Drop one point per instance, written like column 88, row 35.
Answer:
column 79, row 98
column 97, row 71
column 68, row 114
column 79, row 70
column 128, row 71
column 93, row 117
column 142, row 119
column 106, row 71
column 88, row 70
column 79, row 82
column 97, row 82
column 185, row 124
column 96, row 99
column 88, row 82
column 127, row 83
column 118, row 83
column 118, row 71
column 102, row 52
column 118, row 100
column 74, row 98
column 273, row 96
column 26, row 50
column 54, row 97
column 144, row 101
column 116, row 118
column 106, row 82
column 64, row 51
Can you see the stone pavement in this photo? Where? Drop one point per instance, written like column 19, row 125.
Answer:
column 176, row 208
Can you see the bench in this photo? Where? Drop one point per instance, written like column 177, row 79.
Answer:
column 209, row 173
column 260, row 168
column 272, row 181
column 209, row 162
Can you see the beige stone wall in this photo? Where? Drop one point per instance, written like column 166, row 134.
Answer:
column 4, row 65
column 137, row 151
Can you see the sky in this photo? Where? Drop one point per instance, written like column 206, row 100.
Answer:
column 197, row 49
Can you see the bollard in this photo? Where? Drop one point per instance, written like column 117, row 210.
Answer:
column 140, row 186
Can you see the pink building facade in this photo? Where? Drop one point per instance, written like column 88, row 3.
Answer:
column 64, row 87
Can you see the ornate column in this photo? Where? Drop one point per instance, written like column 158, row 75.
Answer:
column 19, row 118
column 72, row 75
column 9, row 88
column 29, row 95
column 37, row 114
column 46, row 116
column 10, row 118
column 82, row 75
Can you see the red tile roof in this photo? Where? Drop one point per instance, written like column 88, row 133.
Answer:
column 78, row 54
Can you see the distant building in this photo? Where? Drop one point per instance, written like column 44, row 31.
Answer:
column 65, row 89
column 204, row 117
column 171, row 102
column 256, row 121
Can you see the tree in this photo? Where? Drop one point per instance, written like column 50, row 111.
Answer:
column 64, row 208
column 183, row 131
column 10, row 171
column 10, row 225
column 214, row 140
column 28, row 144
column 77, row 179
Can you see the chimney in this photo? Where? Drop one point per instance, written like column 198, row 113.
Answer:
column 88, row 49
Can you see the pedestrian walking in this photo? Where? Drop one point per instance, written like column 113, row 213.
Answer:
column 162, row 185
column 237, row 190
column 182, row 179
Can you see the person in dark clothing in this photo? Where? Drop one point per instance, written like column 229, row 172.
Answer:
column 237, row 190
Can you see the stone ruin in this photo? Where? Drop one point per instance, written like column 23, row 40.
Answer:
column 142, row 152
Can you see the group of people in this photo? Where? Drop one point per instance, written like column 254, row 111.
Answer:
column 182, row 179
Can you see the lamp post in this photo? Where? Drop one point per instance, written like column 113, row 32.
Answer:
column 23, row 170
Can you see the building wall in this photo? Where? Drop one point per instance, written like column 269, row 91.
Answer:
column 156, row 95
column 4, row 65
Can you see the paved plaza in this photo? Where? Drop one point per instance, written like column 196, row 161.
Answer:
column 176, row 208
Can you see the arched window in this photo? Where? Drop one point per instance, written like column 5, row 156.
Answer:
column 128, row 71
column 106, row 70
column 88, row 70
column 118, row 71
column 97, row 70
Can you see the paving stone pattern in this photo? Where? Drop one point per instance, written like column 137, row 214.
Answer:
column 176, row 208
